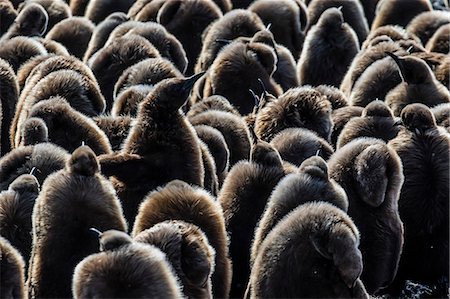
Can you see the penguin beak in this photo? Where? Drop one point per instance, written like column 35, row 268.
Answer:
column 223, row 41
column 398, row 62
column 255, row 97
column 189, row 82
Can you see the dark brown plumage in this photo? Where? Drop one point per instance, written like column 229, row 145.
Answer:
column 7, row 16
column 71, row 201
column 442, row 115
column 98, row 10
column 179, row 201
column 127, row 102
column 74, row 34
column 312, row 253
column 32, row 20
column 19, row 50
column 210, row 179
column 340, row 117
column 12, row 277
column 215, row 102
column 116, row 129
column 336, row 97
column 371, row 174
column 439, row 42
column 34, row 131
column 301, row 107
column 427, row 23
column 9, row 94
column 57, row 10
column 399, row 12
column 188, row 251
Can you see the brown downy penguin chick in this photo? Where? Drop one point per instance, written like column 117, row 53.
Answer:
column 311, row 183
column 243, row 197
column 68, row 128
column 371, row 174
column 116, row 129
column 302, row 107
column 34, row 131
column 424, row 200
column 338, row 46
column 166, row 43
column 210, row 179
column 340, row 118
column 442, row 72
column 109, row 62
column 234, row 24
column 295, row 145
column 336, row 97
column 399, row 12
column 12, row 278
column 179, row 201
column 74, row 34
column 82, row 94
column 419, row 85
column 45, row 158
column 125, row 269
column 288, row 19
column 71, row 201
column 127, row 102
column 311, row 253
column 57, row 10
column 352, row 13
column 214, row 102
column 375, row 82
column 145, row 11
column 187, row 20
column 188, row 251
column 233, row 128
column 218, row 148
column 101, row 33
column 52, row 47
column 439, row 42
column 31, row 21
column 370, row 7
column 9, row 93
column 99, row 10
column 7, row 16
column 161, row 146
column 395, row 32
column 150, row 72
column 442, row 115
column 27, row 68
column 78, row 7
column 376, row 121
column 19, row 50
column 237, row 69
column 16, row 207
column 427, row 23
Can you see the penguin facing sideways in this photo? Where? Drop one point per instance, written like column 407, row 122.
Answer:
column 427, row 23
column 233, row 128
column 288, row 19
column 71, row 201
column 234, row 24
column 399, row 12
column 45, row 158
column 439, row 42
column 311, row 253
column 302, row 107
column 424, row 199
column 127, row 102
column 295, row 145
column 31, row 21
column 12, row 278
column 419, row 85
column 340, row 118
column 109, row 63
column 371, row 174
column 125, row 268
column 74, row 34
column 116, row 129
column 238, row 68
column 187, row 20
column 310, row 183
column 352, row 11
column 69, row 128
column 98, row 10
column 18, row 50
column 101, row 33
column 376, row 121
column 188, row 250
column 179, row 201
column 243, row 197
column 160, row 147
column 146, row 72
column 16, row 207
column 338, row 46
column 9, row 94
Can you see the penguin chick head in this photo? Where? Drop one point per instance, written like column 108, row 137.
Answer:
column 34, row 131
column 413, row 70
column 170, row 94
column 112, row 239
column 377, row 109
column 417, row 117
column 331, row 17
column 264, row 54
column 83, row 162
column 315, row 166
column 32, row 20
column 25, row 183
column 264, row 153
